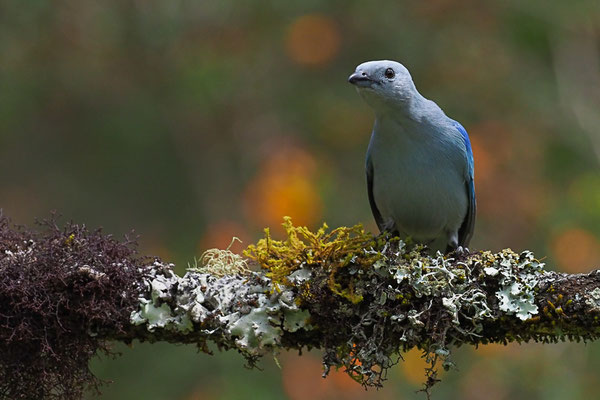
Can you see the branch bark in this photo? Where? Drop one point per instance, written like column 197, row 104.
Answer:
column 66, row 293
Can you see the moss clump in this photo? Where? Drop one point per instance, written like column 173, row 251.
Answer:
column 61, row 290
column 332, row 251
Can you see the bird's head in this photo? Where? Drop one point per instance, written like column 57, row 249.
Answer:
column 383, row 84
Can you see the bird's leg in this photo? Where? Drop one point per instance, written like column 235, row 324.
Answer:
column 453, row 246
column 390, row 227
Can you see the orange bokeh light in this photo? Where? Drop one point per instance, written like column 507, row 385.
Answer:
column 484, row 163
column 313, row 40
column 302, row 380
column 285, row 185
column 499, row 350
column 413, row 367
column 576, row 250
column 220, row 235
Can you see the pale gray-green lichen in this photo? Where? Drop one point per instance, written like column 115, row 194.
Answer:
column 442, row 278
column 460, row 296
column 156, row 309
column 593, row 299
column 518, row 278
column 243, row 309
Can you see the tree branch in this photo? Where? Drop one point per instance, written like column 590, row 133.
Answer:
column 65, row 293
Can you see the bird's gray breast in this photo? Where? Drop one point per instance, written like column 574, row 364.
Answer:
column 419, row 181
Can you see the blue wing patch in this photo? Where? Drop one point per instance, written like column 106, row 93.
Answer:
column 466, row 229
column 465, row 136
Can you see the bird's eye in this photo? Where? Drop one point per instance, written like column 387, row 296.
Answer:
column 389, row 73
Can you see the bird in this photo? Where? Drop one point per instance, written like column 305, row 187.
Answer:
column 419, row 163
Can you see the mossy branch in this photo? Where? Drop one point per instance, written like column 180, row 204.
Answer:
column 67, row 292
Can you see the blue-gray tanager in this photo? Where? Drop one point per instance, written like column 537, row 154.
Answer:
column 419, row 161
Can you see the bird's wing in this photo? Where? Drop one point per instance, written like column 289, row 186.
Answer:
column 374, row 209
column 466, row 229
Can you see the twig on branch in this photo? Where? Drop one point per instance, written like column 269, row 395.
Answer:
column 65, row 293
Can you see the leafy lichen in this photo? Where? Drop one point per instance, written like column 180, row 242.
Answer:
column 520, row 275
column 213, row 305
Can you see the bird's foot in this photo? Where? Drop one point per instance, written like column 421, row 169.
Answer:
column 461, row 251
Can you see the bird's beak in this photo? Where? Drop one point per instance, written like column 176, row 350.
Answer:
column 360, row 79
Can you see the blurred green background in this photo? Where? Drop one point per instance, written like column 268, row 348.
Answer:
column 193, row 122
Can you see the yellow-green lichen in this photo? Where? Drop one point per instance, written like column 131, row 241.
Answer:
column 330, row 250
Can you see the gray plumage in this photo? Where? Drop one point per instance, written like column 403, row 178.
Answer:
column 419, row 162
